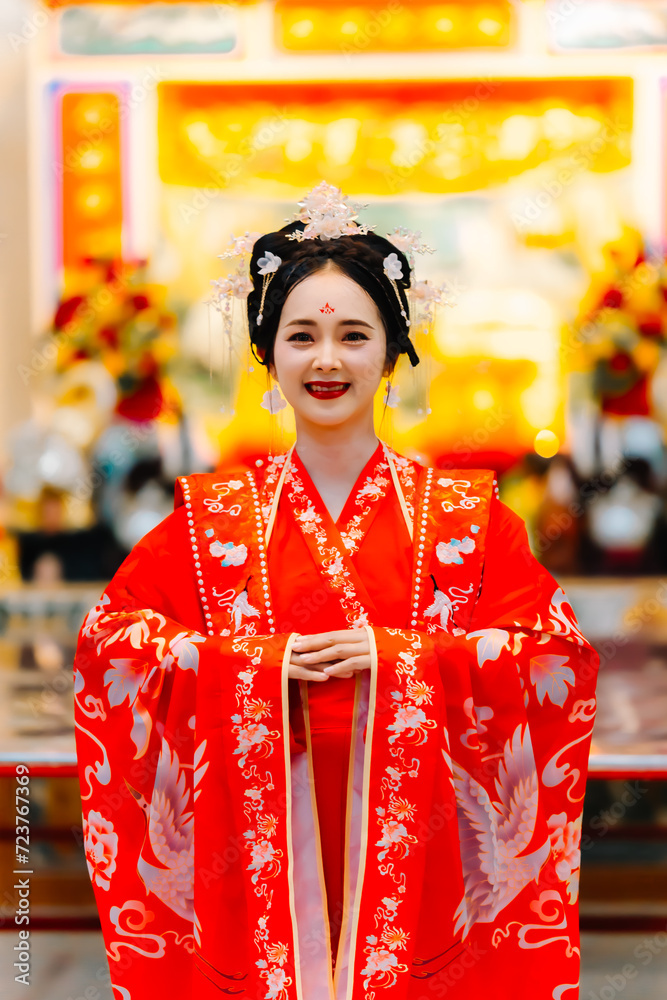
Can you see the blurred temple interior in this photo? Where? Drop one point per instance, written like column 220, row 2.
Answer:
column 525, row 139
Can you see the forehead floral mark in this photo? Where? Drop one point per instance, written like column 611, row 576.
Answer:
column 326, row 308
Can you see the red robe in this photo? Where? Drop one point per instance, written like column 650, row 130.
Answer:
column 414, row 829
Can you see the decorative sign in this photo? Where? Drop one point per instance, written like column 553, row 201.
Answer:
column 155, row 29
column 385, row 137
column 606, row 24
column 392, row 25
column 89, row 185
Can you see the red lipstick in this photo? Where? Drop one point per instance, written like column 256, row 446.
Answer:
column 327, row 390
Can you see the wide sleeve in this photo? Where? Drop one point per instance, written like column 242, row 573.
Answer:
column 158, row 705
column 508, row 707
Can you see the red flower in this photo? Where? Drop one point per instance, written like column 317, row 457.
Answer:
column 145, row 403
column 612, row 299
column 651, row 327
column 140, row 302
column 619, row 362
column 66, row 311
column 109, row 336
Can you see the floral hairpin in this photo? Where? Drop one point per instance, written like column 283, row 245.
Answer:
column 267, row 266
column 327, row 216
column 409, row 243
column 393, row 269
column 238, row 284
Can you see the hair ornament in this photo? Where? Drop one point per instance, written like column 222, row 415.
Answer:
column 409, row 243
column 267, row 267
column 328, row 215
column 394, row 271
column 273, row 401
column 269, row 263
column 238, row 286
column 241, row 245
column 391, row 396
column 393, row 267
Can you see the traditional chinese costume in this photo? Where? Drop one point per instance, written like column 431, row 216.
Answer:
column 412, row 831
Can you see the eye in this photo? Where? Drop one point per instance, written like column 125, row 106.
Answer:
column 357, row 333
column 302, row 334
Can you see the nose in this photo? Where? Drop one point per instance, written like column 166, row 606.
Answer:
column 326, row 357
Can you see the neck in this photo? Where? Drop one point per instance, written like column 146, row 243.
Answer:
column 335, row 452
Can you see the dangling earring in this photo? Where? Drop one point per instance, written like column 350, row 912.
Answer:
column 274, row 402
column 391, row 400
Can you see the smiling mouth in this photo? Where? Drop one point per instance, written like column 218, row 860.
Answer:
column 327, row 388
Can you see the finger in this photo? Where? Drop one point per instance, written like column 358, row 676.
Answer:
column 321, row 640
column 354, row 664
column 297, row 661
column 301, row 674
column 325, row 640
column 341, row 651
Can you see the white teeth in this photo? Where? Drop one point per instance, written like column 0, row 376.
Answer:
column 320, row 388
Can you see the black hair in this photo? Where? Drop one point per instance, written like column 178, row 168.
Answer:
column 359, row 257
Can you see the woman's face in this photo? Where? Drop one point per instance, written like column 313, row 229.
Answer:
column 330, row 331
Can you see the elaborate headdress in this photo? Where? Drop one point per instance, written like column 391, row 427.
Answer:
column 328, row 221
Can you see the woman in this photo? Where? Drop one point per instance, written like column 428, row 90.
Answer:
column 333, row 717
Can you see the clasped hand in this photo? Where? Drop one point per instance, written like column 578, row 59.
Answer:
column 330, row 654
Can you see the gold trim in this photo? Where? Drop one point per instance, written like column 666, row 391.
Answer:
column 288, row 810
column 276, row 497
column 303, row 688
column 348, row 828
column 399, row 491
column 365, row 795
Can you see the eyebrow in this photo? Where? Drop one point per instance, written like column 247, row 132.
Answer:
column 343, row 322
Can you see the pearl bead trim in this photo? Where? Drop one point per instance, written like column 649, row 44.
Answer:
column 422, row 535
column 195, row 551
column 261, row 547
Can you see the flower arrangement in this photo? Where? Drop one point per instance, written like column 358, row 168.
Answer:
column 621, row 332
column 120, row 320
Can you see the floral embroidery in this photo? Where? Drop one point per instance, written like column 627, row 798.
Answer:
column 100, row 844
column 374, row 488
column 330, row 558
column 565, row 849
column 408, row 728
column 254, row 743
column 407, row 477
